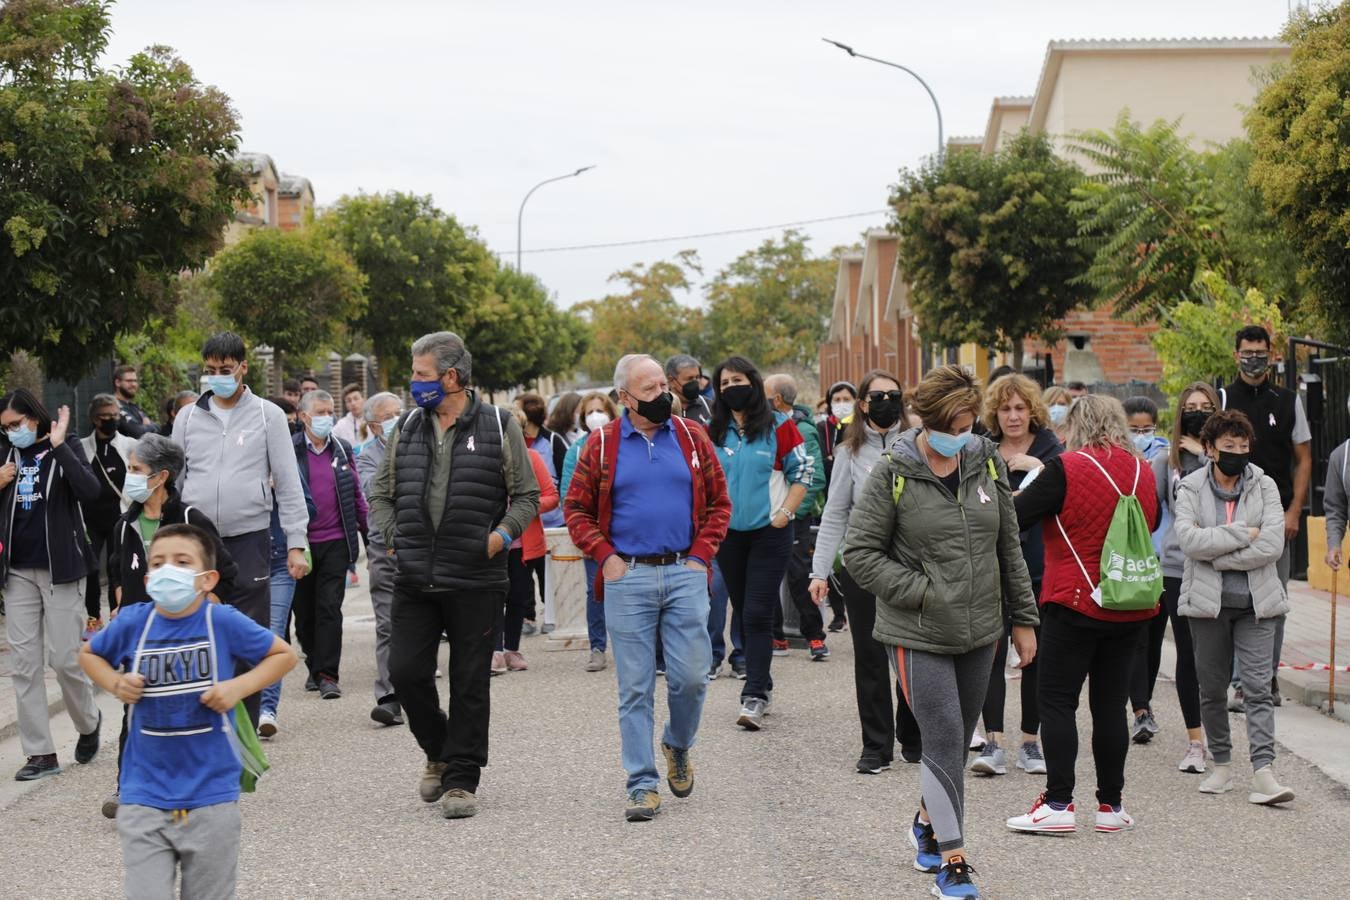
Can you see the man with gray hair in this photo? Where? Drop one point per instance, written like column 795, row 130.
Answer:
column 381, row 415
column 683, row 373
column 649, row 503
column 455, row 488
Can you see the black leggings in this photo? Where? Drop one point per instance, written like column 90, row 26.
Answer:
column 873, row 677
column 519, row 603
column 1149, row 658
column 997, row 694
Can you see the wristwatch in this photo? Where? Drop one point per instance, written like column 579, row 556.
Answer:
column 785, row 511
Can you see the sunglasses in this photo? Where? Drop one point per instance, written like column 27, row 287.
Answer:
column 881, row 396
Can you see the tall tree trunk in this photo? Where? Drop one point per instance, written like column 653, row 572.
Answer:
column 1018, row 350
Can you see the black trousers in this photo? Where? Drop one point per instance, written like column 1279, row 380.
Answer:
column 100, row 540
column 252, row 596
column 459, row 739
column 536, row 568
column 317, row 606
column 753, row 563
column 997, row 695
column 1075, row 648
column 799, row 579
column 1148, row 658
column 873, row 676
column 519, row 603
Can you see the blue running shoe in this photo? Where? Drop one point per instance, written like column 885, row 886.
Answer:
column 954, row 881
column 927, row 856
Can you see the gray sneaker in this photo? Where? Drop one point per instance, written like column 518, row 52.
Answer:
column 1030, row 760
column 597, row 661
column 991, row 761
column 1144, row 728
column 458, row 803
column 752, row 713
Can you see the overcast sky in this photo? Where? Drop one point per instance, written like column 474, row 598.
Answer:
column 699, row 116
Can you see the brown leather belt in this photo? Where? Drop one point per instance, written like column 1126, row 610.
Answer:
column 668, row 559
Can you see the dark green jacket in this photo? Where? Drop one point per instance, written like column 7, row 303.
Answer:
column 939, row 565
column 814, row 501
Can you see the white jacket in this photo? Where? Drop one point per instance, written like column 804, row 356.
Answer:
column 122, row 444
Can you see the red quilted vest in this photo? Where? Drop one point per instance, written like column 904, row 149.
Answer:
column 1089, row 503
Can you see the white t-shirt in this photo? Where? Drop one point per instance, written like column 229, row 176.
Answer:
column 223, row 413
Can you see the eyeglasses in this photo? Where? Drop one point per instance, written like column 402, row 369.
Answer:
column 1253, row 354
column 1144, row 431
column 882, row 396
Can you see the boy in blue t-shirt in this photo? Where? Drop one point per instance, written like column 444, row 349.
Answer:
column 180, row 772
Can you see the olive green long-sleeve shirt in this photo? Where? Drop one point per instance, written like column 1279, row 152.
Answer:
column 521, row 486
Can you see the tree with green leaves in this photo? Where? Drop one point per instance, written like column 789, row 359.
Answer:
column 987, row 243
column 112, row 182
column 647, row 317
column 291, row 290
column 773, row 301
column 1196, row 341
column 424, row 270
column 517, row 335
column 1300, row 131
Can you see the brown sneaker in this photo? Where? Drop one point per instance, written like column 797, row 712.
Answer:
column 679, row 770
column 642, row 806
column 458, row 804
column 430, row 786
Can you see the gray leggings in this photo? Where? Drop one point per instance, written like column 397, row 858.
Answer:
column 946, row 694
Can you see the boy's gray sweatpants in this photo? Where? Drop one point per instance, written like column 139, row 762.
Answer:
column 946, row 694
column 205, row 841
column 1236, row 636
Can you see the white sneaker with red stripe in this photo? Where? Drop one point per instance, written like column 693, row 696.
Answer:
column 1043, row 818
column 1111, row 819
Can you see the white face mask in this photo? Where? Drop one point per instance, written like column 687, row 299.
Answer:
column 842, row 410
column 596, row 420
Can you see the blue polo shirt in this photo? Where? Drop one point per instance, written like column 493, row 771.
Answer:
column 652, row 499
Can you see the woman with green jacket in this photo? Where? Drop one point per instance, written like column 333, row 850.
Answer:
column 935, row 537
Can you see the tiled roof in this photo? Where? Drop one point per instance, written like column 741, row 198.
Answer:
column 293, row 185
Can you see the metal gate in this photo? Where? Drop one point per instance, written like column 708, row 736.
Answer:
column 1321, row 374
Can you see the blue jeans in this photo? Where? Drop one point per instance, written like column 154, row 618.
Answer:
column 675, row 598
column 717, row 622
column 595, row 612
column 283, row 591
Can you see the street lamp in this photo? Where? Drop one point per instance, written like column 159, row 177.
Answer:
column 851, row 52
column 520, row 215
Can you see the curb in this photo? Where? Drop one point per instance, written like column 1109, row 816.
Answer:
column 55, row 705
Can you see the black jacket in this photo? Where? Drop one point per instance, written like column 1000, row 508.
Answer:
column 70, row 483
column 127, row 557
column 344, row 474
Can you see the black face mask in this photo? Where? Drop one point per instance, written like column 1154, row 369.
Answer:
column 1232, row 464
column 690, row 391
column 1193, row 421
column 738, row 396
column 656, row 410
column 883, row 413
column 107, row 427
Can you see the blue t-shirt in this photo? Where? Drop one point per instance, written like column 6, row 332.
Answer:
column 178, row 756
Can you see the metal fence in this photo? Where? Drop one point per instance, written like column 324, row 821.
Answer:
column 1321, row 374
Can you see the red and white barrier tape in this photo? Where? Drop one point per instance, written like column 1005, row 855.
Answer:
column 1314, row 667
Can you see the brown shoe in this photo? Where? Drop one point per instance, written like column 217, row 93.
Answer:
column 458, row 804
column 430, row 786
column 515, row 661
column 679, row 770
column 642, row 806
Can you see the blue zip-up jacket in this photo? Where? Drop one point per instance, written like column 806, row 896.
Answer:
column 760, row 472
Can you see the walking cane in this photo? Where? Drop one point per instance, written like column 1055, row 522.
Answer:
column 1331, row 675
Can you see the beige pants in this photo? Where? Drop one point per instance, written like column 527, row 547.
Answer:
column 38, row 612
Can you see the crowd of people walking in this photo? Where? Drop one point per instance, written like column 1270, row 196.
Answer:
column 954, row 529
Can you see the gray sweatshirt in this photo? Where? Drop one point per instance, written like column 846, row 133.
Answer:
column 1167, row 479
column 233, row 468
column 1334, row 496
column 846, row 483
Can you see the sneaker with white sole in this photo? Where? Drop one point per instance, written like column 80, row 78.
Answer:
column 927, row 856
column 1193, row 762
column 752, row 713
column 1266, row 791
column 1220, row 781
column 1144, row 728
column 977, row 740
column 267, row 725
column 1045, row 818
column 597, row 661
column 1030, row 759
column 953, row 881
column 993, row 760
column 1111, row 819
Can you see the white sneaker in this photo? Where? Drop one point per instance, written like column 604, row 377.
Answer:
column 267, row 725
column 1266, row 790
column 1043, row 818
column 1194, row 760
column 1220, row 780
column 1113, row 819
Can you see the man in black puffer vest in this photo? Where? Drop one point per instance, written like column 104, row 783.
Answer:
column 1282, row 448
column 455, row 488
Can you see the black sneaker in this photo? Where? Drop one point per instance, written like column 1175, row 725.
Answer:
column 387, row 713
column 872, row 764
column 738, row 670
column 838, row 622
column 912, row 755
column 328, row 689
column 310, row 684
column 38, row 767
column 86, row 748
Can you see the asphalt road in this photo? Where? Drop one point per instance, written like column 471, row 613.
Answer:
column 778, row 813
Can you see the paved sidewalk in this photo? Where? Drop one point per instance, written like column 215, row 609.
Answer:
column 1307, row 640
column 779, row 813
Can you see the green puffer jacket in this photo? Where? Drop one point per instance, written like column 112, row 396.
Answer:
column 939, row 564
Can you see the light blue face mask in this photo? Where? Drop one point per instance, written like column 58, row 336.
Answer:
column 322, row 426
column 948, row 444
column 1142, row 442
column 173, row 588
column 389, row 425
column 136, row 487
column 223, row 386
column 1057, row 413
column 22, row 437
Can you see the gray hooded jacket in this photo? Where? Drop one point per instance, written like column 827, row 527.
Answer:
column 846, row 485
